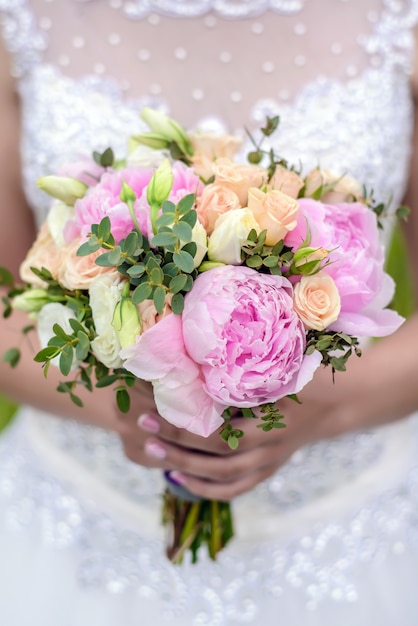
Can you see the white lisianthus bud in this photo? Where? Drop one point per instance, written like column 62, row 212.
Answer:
column 58, row 216
column 231, row 230
column 153, row 141
column 31, row 301
column 167, row 128
column 126, row 322
column 63, row 188
column 105, row 292
column 200, row 238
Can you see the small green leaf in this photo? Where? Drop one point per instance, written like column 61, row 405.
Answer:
column 6, row 277
column 186, row 204
column 46, row 354
column 12, row 356
column 135, row 271
column 104, row 228
column 169, row 207
column 270, row 261
column 88, row 247
column 111, row 258
column 177, row 283
column 83, row 346
column 159, row 298
column 190, row 218
column 164, row 239
column 106, row 381
column 61, row 334
column 183, row 231
column 130, row 244
column 76, row 326
column 105, row 159
column 166, row 219
column 402, row 212
column 184, row 261
column 76, row 400
column 141, row 293
column 254, row 261
column 233, row 442
column 177, row 303
column 66, row 360
column 191, row 248
column 123, row 400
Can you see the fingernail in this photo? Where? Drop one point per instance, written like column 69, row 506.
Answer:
column 177, row 477
column 148, row 423
column 154, row 449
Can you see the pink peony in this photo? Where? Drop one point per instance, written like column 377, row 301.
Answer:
column 349, row 231
column 160, row 356
column 241, row 327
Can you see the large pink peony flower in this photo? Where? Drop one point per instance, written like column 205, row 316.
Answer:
column 350, row 231
column 241, row 327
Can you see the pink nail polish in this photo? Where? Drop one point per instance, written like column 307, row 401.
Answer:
column 156, row 450
column 148, row 423
column 177, row 477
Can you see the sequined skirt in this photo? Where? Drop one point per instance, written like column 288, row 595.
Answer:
column 331, row 538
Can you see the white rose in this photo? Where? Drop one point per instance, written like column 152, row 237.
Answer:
column 105, row 293
column 231, row 230
column 50, row 314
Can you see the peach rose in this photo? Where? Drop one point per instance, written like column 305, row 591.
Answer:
column 317, row 301
column 43, row 253
column 274, row 211
column 215, row 201
column 238, row 177
column 208, row 147
column 336, row 187
column 78, row 272
column 148, row 312
column 286, row 181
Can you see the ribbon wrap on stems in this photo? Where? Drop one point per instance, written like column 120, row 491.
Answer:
column 192, row 522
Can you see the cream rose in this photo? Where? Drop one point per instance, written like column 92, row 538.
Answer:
column 336, row 187
column 208, row 147
column 43, row 253
column 317, row 301
column 215, row 201
column 238, row 177
column 231, row 230
column 105, row 293
column 78, row 272
column 273, row 211
column 286, row 181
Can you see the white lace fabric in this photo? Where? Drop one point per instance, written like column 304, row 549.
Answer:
column 337, row 72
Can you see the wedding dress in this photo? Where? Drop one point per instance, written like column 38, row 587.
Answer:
column 332, row 537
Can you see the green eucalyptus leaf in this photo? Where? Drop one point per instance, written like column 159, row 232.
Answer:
column 186, row 204
column 177, row 303
column 270, row 261
column 141, row 293
column 184, row 261
column 104, row 228
column 169, row 207
column 60, row 332
column 123, row 400
column 131, row 244
column 12, row 356
column 164, row 239
column 6, row 277
column 166, row 219
column 190, row 218
column 135, row 271
column 76, row 400
column 178, row 283
column 45, row 354
column 183, row 231
column 106, row 381
column 156, row 275
column 159, row 298
column 233, row 442
column 254, row 261
column 66, row 360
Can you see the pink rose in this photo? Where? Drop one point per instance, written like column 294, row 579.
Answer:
column 241, row 327
column 349, row 231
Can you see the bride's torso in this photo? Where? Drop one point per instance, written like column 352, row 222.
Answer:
column 336, row 71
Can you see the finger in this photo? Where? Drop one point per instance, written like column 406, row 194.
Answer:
column 223, row 491
column 207, row 466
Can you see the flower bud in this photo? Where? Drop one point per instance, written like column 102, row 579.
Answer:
column 308, row 260
column 31, row 301
column 166, row 128
column 200, row 238
column 151, row 140
column 158, row 190
column 126, row 322
column 231, row 231
column 64, row 188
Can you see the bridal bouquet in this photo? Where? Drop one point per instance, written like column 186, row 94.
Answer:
column 226, row 285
